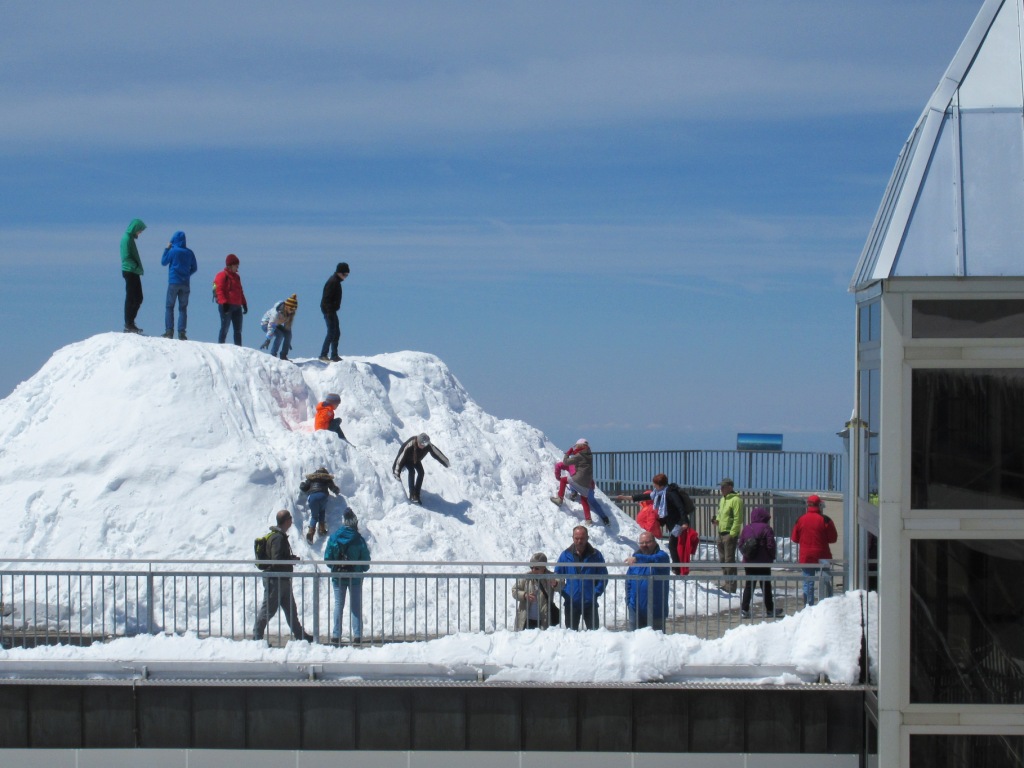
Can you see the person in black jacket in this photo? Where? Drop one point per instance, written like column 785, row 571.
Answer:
column 673, row 506
column 318, row 485
column 329, row 305
column 277, row 591
column 410, row 457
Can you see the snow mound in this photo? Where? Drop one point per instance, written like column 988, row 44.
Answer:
column 130, row 447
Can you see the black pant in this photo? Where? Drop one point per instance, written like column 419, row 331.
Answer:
column 333, row 335
column 766, row 586
column 415, row 479
column 230, row 314
column 132, row 297
column 277, row 593
column 335, row 427
column 576, row 611
column 673, row 550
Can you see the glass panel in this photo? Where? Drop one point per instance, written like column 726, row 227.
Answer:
column 967, row 621
column 940, row 751
column 869, row 323
column 968, row 319
column 966, row 446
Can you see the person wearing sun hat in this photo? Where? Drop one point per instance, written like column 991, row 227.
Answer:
column 231, row 303
column 277, row 322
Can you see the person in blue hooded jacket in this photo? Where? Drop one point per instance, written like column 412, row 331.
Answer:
column 647, row 595
column 582, row 565
column 181, row 265
column 347, row 544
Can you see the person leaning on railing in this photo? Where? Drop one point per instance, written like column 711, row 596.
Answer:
column 535, row 597
column 670, row 502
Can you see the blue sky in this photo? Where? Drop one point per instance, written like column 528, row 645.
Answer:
column 630, row 222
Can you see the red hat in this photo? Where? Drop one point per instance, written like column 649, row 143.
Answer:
column 814, row 500
column 231, row 259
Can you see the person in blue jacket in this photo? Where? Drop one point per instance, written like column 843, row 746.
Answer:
column 582, row 565
column 348, row 545
column 647, row 597
column 181, row 265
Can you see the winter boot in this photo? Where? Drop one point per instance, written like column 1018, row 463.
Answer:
column 284, row 355
column 324, row 359
column 321, row 529
column 168, row 334
column 310, row 533
column 335, row 359
column 132, row 329
column 557, row 500
column 182, row 336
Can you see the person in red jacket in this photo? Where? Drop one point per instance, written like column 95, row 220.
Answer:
column 325, row 418
column 686, row 547
column 814, row 531
column 227, row 287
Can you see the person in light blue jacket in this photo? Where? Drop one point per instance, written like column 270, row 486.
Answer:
column 181, row 265
column 582, row 565
column 647, row 595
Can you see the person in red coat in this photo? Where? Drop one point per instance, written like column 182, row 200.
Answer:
column 814, row 531
column 231, row 303
column 686, row 547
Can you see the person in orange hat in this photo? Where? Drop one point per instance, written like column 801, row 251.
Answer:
column 277, row 323
column 814, row 531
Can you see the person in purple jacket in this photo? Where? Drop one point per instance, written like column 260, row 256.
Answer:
column 760, row 531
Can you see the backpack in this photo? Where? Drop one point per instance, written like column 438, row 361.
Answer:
column 688, row 506
column 750, row 546
column 260, row 549
column 338, row 553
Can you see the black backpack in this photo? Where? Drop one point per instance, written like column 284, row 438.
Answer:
column 750, row 547
column 260, row 547
column 688, row 506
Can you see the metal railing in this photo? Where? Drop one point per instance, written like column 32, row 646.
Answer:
column 760, row 470
column 81, row 602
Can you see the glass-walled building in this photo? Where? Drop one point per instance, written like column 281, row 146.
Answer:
column 937, row 436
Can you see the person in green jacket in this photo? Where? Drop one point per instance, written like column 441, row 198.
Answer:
column 730, row 523
column 131, row 270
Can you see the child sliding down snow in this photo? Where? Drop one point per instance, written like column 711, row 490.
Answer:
column 578, row 463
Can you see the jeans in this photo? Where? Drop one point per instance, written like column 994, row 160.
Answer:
column 132, row 297
column 575, row 611
column 415, row 479
column 766, row 588
column 333, row 335
column 179, row 292
column 230, row 314
column 317, row 508
column 638, row 620
column 277, row 594
column 811, row 575
column 354, row 586
column 281, row 334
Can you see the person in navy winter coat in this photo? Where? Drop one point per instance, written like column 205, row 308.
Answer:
column 181, row 265
column 759, row 529
column 582, row 565
column 647, row 597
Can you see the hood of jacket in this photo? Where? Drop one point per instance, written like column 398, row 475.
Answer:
column 760, row 515
column 136, row 227
column 178, row 239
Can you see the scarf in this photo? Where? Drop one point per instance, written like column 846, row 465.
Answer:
column 658, row 499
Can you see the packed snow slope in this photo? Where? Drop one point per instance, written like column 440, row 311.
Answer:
column 131, row 447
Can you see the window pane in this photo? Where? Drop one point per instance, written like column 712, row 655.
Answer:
column 937, row 751
column 967, row 621
column 967, row 450
column 968, row 319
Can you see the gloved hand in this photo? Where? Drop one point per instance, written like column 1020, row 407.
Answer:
column 245, row 309
column 398, row 475
column 265, row 344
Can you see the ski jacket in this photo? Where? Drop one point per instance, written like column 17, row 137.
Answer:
column 347, row 543
column 181, row 262
column 319, row 482
column 582, row 591
column 276, row 317
column 279, row 548
column 228, row 286
column 324, row 415
column 647, row 517
column 580, row 457
column 759, row 528
column 331, row 300
column 730, row 514
column 411, row 455
column 640, row 590
column 130, row 261
column 814, row 531
column 686, row 546
column 541, row 586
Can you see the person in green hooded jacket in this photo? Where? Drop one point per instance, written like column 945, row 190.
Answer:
column 131, row 270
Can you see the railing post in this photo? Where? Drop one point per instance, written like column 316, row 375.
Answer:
column 316, row 604
column 483, row 598
column 150, row 597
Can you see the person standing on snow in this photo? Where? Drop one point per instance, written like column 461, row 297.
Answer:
column 578, row 464
column 181, row 265
column 410, row 457
column 582, row 565
column 330, row 304
column 277, row 591
column 347, row 544
column 318, row 485
column 131, row 271
column 325, row 418
column 277, row 322
column 231, row 303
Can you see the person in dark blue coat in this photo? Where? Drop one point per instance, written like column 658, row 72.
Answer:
column 762, row 554
column 647, row 597
column 582, row 565
column 181, row 265
column 348, row 545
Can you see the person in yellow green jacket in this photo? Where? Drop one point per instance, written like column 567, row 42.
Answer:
column 131, row 270
column 730, row 522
